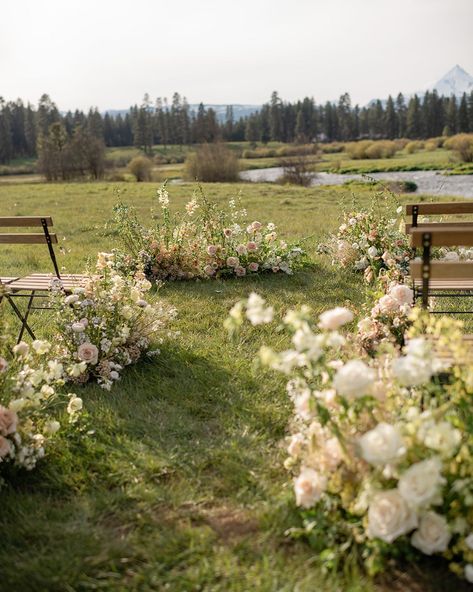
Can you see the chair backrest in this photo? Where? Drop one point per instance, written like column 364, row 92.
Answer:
column 30, row 238
column 439, row 235
column 436, row 209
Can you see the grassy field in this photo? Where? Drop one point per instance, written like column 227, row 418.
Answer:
column 182, row 487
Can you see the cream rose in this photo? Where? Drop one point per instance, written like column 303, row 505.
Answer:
column 420, row 484
column 389, row 516
column 381, row 445
column 354, row 379
column 411, row 370
column 88, row 352
column 387, row 304
column 309, row 487
column 75, row 404
column 333, row 319
column 402, row 294
column 433, row 534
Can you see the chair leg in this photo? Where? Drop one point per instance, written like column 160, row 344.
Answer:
column 24, row 324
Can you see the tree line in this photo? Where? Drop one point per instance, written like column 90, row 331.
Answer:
column 27, row 131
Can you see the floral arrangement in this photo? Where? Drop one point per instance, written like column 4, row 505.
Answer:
column 388, row 320
column 107, row 324
column 371, row 243
column 203, row 242
column 34, row 409
column 380, row 449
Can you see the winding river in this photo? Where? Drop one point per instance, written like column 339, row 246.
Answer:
column 431, row 182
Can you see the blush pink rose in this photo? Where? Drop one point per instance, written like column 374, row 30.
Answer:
column 5, row 447
column 8, row 421
column 233, row 262
column 253, row 266
column 251, row 246
column 212, row 250
column 240, row 271
column 88, row 352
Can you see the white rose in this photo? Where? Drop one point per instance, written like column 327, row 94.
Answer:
column 433, row 534
column 75, row 404
column 420, row 484
column 21, row 349
column 295, row 445
column 307, row 342
column 387, row 304
column 335, row 318
column 309, row 487
column 78, row 327
column 51, row 427
column 354, row 379
column 402, row 294
column 381, row 445
column 469, row 573
column 256, row 310
column 411, row 370
column 71, row 299
column 389, row 516
column 372, row 252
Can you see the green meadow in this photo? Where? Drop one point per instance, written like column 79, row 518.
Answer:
column 181, row 486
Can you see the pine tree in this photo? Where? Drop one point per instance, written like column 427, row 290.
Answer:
column 463, row 119
column 390, row 120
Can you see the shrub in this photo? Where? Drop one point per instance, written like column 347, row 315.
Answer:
column 141, row 168
column 401, row 143
column 462, row 145
column 332, row 148
column 299, row 150
column 296, row 171
column 212, row 163
column 357, row 150
column 414, row 146
column 402, row 186
column 381, row 149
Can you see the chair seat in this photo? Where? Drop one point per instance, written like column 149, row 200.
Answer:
column 45, row 282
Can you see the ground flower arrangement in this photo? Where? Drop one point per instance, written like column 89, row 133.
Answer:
column 35, row 406
column 372, row 242
column 107, row 324
column 204, row 241
column 380, row 448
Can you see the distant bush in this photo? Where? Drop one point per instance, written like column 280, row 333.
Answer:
column 141, row 168
column 115, row 176
column 401, row 186
column 296, row 171
column 212, row 163
column 332, row 148
column 259, row 153
column 462, row 145
column 357, row 150
column 368, row 149
column 401, row 143
column 299, row 150
column 414, row 146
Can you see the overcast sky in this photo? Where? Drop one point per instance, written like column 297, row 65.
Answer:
column 108, row 53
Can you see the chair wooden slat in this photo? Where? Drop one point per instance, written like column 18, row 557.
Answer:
column 460, row 207
column 444, row 270
column 26, row 238
column 441, row 226
column 443, row 237
column 24, row 221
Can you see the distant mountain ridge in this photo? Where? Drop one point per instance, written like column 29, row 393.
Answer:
column 239, row 110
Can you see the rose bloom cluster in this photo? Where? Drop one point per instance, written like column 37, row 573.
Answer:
column 371, row 243
column 388, row 320
column 34, row 409
column 380, row 451
column 203, row 241
column 108, row 324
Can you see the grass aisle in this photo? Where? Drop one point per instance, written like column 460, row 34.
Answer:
column 181, row 487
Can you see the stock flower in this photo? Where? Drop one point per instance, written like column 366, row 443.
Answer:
column 309, row 487
column 354, row 379
column 420, row 484
column 335, row 318
column 256, row 310
column 381, row 445
column 88, row 352
column 433, row 534
column 389, row 516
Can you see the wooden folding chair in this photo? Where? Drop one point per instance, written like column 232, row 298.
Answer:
column 441, row 278
column 36, row 285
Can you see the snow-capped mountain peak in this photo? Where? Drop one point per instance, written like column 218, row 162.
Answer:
column 455, row 82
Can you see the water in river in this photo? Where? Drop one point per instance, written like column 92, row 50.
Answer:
column 431, row 182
